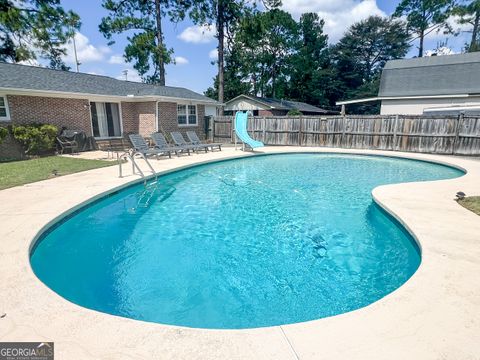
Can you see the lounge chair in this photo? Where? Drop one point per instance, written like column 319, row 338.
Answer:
column 162, row 144
column 140, row 145
column 194, row 139
column 179, row 140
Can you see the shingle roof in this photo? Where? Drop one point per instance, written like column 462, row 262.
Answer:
column 435, row 75
column 16, row 76
column 287, row 104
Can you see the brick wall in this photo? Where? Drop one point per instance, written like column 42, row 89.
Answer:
column 129, row 118
column 138, row 117
column 272, row 112
column 146, row 117
column 62, row 112
column 167, row 116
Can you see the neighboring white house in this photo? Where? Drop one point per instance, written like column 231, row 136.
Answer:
column 261, row 106
column 211, row 110
column 447, row 84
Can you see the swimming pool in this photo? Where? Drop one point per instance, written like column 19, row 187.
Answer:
column 245, row 243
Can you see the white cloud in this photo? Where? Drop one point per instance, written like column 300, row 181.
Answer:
column 438, row 34
column 116, row 59
column 86, row 52
column 132, row 75
column 198, row 34
column 31, row 62
column 339, row 15
column 180, row 60
column 213, row 54
column 443, row 50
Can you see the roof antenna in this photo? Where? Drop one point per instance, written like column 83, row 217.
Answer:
column 125, row 73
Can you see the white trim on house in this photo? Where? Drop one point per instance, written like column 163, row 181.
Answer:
column 128, row 98
column 452, row 108
column 380, row 98
column 7, row 110
column 268, row 106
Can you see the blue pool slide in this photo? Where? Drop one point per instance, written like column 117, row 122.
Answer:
column 241, row 130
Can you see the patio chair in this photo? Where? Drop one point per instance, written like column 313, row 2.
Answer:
column 179, row 140
column 195, row 140
column 162, row 144
column 66, row 144
column 140, row 145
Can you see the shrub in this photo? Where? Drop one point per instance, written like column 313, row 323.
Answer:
column 294, row 112
column 3, row 133
column 36, row 139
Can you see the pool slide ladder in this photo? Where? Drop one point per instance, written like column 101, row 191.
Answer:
column 240, row 131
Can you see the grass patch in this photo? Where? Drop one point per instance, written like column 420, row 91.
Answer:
column 27, row 171
column 471, row 203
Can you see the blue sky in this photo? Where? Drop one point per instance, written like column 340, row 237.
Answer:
column 195, row 48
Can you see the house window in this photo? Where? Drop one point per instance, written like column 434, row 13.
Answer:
column 4, row 113
column 186, row 114
column 105, row 119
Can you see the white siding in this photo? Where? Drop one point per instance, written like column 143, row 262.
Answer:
column 244, row 104
column 416, row 106
column 210, row 110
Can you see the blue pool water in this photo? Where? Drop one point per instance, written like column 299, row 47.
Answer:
column 238, row 244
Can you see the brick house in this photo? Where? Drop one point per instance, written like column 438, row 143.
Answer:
column 260, row 106
column 100, row 106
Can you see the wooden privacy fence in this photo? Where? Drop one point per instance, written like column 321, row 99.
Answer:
column 440, row 135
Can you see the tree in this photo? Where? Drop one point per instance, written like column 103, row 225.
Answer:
column 146, row 46
column 223, row 14
column 278, row 45
column 31, row 28
column 234, row 82
column 468, row 12
column 265, row 44
column 370, row 43
column 425, row 16
column 309, row 80
column 361, row 54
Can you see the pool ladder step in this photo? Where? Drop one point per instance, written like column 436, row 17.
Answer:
column 132, row 155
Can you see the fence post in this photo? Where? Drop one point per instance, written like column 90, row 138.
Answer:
column 211, row 128
column 300, row 131
column 263, row 130
column 457, row 133
column 342, row 140
column 232, row 131
column 395, row 132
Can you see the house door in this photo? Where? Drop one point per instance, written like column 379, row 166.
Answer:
column 105, row 119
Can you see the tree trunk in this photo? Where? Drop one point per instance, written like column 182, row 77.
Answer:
column 474, row 44
column 221, row 40
column 160, row 45
column 420, row 47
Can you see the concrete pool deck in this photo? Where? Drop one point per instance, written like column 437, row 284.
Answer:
column 435, row 315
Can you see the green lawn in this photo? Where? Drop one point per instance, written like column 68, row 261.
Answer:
column 471, row 203
column 27, row 171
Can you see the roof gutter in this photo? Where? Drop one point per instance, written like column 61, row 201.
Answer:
column 380, row 98
column 49, row 93
column 255, row 100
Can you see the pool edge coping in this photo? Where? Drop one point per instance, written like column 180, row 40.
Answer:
column 376, row 197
